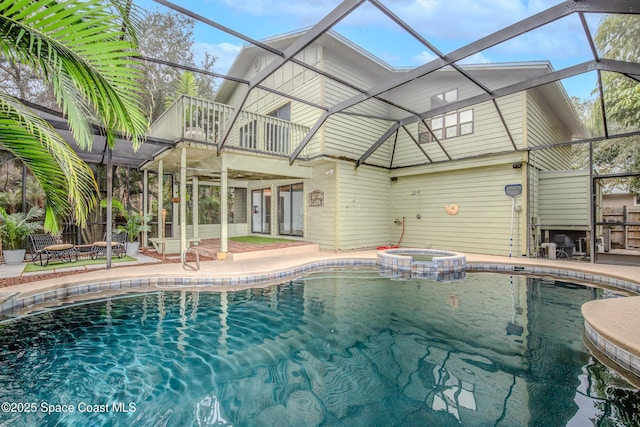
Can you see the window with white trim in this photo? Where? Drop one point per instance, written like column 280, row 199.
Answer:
column 446, row 126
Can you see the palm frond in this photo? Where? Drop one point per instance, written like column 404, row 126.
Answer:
column 85, row 54
column 67, row 181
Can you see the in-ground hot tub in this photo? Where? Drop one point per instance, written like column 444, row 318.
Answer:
column 407, row 263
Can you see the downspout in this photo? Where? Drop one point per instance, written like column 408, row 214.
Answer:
column 524, row 211
column 337, row 208
column 529, row 196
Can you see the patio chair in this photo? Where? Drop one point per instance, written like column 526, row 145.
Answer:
column 44, row 248
column 118, row 246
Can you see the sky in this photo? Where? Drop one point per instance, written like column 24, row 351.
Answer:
column 446, row 24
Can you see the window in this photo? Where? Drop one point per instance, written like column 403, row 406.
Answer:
column 444, row 98
column 450, row 125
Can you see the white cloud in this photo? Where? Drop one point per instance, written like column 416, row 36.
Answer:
column 476, row 58
column 225, row 52
column 424, row 57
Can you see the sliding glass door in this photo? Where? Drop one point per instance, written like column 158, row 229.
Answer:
column 291, row 210
column 261, row 211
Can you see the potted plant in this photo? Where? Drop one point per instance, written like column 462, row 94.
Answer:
column 134, row 224
column 14, row 229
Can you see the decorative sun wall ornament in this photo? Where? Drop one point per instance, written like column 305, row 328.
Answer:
column 451, row 209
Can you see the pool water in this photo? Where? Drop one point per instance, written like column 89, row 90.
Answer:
column 339, row 348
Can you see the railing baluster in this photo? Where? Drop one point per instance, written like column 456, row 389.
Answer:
column 203, row 120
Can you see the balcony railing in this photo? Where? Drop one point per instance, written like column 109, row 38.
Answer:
column 204, row 121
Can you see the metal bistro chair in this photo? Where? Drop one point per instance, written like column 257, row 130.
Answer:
column 118, row 246
column 44, row 248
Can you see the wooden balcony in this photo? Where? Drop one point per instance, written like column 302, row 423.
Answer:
column 198, row 120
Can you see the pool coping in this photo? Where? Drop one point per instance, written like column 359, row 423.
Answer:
column 613, row 338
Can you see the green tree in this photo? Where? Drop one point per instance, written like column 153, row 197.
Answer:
column 160, row 80
column 35, row 194
column 84, row 50
column 610, row 156
column 11, row 199
column 24, row 83
column 617, row 38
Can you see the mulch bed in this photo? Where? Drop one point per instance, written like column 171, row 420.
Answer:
column 169, row 259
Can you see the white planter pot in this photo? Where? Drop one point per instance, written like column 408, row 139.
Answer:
column 14, row 257
column 132, row 248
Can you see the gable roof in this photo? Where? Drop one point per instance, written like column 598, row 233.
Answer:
column 410, row 100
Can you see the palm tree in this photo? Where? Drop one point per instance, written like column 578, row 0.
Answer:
column 186, row 85
column 35, row 193
column 85, row 50
column 11, row 199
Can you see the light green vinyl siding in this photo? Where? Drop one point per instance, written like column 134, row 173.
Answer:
column 320, row 221
column 299, row 82
column 489, row 135
column 544, row 129
column 564, row 199
column 348, row 135
column 351, row 137
column 483, row 222
column 364, row 215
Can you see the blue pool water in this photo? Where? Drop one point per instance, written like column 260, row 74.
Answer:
column 341, row 348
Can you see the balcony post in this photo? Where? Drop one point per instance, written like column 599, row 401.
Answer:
column 195, row 206
column 183, row 202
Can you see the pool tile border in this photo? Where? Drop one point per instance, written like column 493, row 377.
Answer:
column 622, row 358
column 16, row 303
column 557, row 273
column 398, row 264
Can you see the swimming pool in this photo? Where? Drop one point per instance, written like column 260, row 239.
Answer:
column 333, row 348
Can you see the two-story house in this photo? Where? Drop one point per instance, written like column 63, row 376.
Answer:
column 306, row 151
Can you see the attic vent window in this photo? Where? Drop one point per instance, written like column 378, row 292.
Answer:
column 444, row 98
